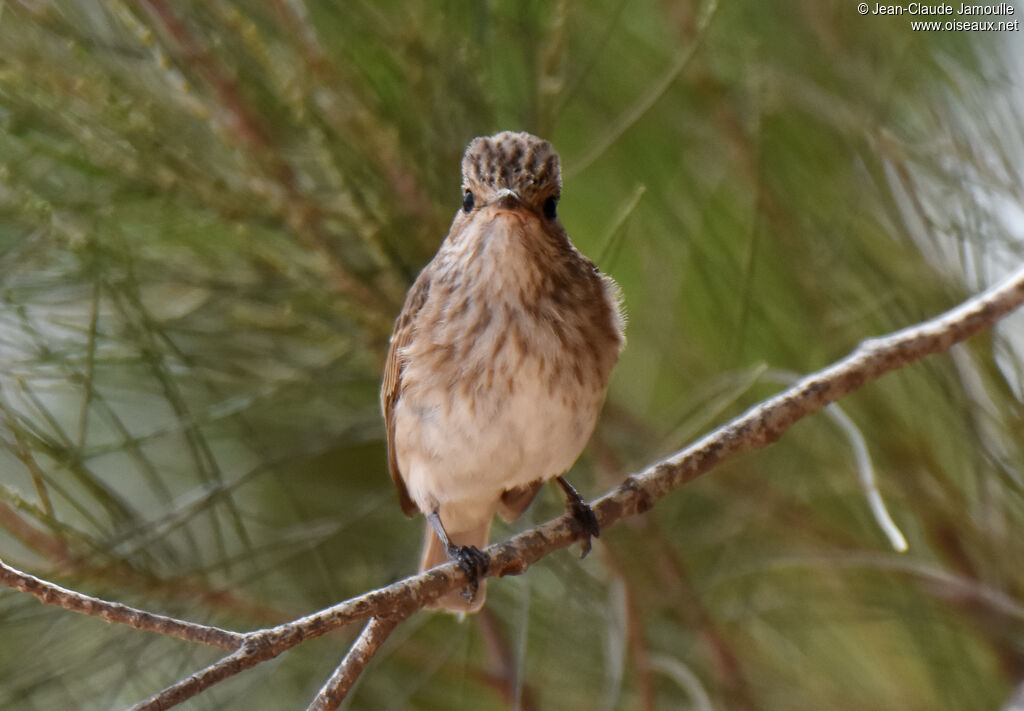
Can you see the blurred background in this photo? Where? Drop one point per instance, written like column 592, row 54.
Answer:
column 210, row 212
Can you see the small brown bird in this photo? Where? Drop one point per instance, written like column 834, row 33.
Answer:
column 499, row 361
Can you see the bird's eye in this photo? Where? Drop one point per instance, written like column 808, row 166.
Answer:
column 551, row 208
column 467, row 201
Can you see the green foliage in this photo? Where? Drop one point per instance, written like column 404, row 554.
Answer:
column 209, row 213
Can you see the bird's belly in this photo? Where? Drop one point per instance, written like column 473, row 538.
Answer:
column 473, row 444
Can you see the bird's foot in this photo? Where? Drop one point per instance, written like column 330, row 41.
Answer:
column 474, row 563
column 587, row 522
column 582, row 514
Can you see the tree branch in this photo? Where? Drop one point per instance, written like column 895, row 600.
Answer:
column 337, row 687
column 52, row 594
column 758, row 427
column 251, row 653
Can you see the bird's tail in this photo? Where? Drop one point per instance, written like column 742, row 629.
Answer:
column 435, row 554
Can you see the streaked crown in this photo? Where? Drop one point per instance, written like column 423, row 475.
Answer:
column 518, row 161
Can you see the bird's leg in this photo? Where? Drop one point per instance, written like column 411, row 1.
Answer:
column 471, row 559
column 581, row 513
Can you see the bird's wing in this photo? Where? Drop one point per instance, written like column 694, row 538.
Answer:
column 391, row 389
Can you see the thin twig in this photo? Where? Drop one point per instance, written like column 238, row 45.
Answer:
column 862, row 457
column 758, row 427
column 52, row 594
column 337, row 687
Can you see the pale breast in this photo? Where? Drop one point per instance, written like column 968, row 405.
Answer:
column 505, row 391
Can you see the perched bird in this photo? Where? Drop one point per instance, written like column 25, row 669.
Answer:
column 499, row 361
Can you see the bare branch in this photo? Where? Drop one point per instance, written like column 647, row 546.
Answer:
column 249, row 655
column 758, row 427
column 52, row 594
column 765, row 423
column 362, row 651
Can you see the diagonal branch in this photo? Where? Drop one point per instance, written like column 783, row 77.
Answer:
column 337, row 687
column 248, row 655
column 764, row 424
column 758, row 427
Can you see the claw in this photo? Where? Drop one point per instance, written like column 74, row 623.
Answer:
column 587, row 521
column 582, row 514
column 474, row 563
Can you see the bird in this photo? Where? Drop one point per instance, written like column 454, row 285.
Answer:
column 499, row 361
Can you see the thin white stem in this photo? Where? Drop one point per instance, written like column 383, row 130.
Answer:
column 865, row 469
